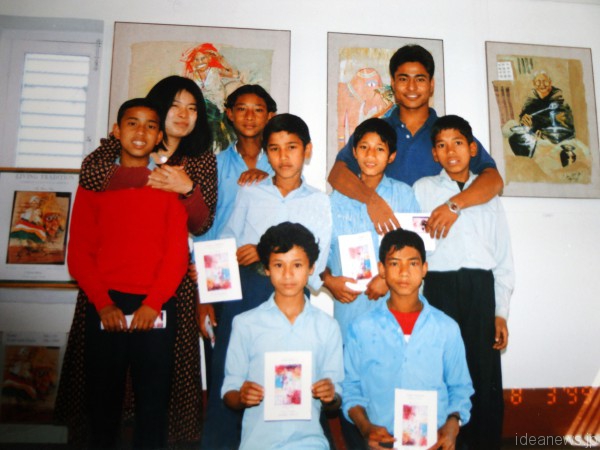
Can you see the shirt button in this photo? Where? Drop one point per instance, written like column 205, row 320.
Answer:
column 408, row 136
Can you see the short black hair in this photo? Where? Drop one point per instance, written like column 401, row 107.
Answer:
column 374, row 125
column 281, row 238
column 290, row 124
column 255, row 89
column 141, row 102
column 398, row 239
column 412, row 53
column 451, row 122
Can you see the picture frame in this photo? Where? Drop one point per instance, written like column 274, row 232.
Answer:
column 543, row 123
column 358, row 81
column 218, row 59
column 288, row 382
column 30, row 364
column 415, row 419
column 35, row 210
column 218, row 270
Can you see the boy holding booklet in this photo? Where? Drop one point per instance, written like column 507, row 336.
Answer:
column 472, row 275
column 287, row 322
column 283, row 197
column 404, row 343
column 374, row 148
column 115, row 257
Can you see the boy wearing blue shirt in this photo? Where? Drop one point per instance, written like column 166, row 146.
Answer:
column 471, row 275
column 284, row 197
column 375, row 148
column 404, row 343
column 412, row 79
column 286, row 322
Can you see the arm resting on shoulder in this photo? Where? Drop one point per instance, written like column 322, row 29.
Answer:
column 485, row 187
column 343, row 180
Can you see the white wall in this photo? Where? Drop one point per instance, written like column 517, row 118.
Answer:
column 555, row 320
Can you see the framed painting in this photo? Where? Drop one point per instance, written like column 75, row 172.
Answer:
column 219, row 60
column 35, row 206
column 29, row 369
column 358, row 82
column 543, row 124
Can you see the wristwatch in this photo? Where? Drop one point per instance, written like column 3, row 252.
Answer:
column 457, row 417
column 453, row 207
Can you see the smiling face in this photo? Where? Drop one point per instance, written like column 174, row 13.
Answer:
column 372, row 155
column 181, row 117
column 201, row 62
column 454, row 153
column 289, row 272
column 403, row 272
column 286, row 154
column 412, row 86
column 139, row 132
column 542, row 84
column 249, row 115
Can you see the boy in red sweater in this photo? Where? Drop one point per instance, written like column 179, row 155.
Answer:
column 128, row 252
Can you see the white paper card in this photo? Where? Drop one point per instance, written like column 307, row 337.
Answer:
column 415, row 419
column 159, row 324
column 416, row 222
column 218, row 270
column 288, row 382
column 358, row 258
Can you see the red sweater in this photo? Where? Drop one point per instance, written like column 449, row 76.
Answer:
column 130, row 240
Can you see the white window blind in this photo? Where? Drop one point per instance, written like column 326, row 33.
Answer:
column 53, row 110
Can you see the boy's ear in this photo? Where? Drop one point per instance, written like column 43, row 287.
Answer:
column 425, row 268
column 312, row 269
column 434, row 153
column 229, row 114
column 432, row 87
column 116, row 131
column 270, row 115
column 392, row 157
column 473, row 149
column 381, row 269
column 308, row 151
column 159, row 137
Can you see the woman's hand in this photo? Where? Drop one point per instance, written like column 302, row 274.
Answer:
column 170, row 179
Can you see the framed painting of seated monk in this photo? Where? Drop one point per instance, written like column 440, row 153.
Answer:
column 543, row 125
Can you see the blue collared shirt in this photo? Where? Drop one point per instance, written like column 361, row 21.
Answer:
column 378, row 360
column 414, row 159
column 230, row 165
column 261, row 206
column 479, row 239
column 349, row 217
column 266, row 329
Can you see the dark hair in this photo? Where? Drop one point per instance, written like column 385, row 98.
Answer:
column 412, row 53
column 281, row 238
column 374, row 125
column 451, row 122
column 290, row 124
column 163, row 93
column 255, row 89
column 141, row 102
column 398, row 239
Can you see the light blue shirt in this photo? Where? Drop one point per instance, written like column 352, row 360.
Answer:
column 266, row 329
column 378, row 360
column 349, row 217
column 230, row 165
column 479, row 239
column 261, row 206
